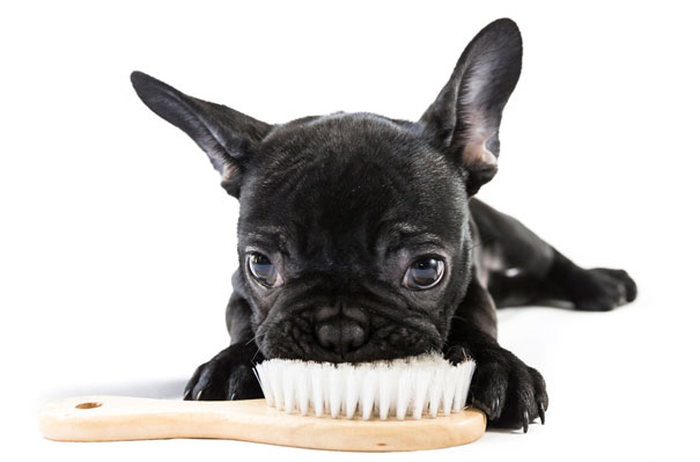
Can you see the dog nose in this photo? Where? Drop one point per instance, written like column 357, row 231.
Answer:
column 341, row 329
column 341, row 335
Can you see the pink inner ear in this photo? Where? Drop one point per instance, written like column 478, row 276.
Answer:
column 230, row 178
column 476, row 154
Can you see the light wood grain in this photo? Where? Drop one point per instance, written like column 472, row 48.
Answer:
column 122, row 418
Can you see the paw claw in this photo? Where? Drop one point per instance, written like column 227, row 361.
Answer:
column 456, row 354
column 227, row 376
column 488, row 410
column 508, row 391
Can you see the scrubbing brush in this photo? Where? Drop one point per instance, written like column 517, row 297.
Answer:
column 399, row 405
column 415, row 386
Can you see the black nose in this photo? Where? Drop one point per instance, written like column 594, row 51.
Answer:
column 340, row 329
column 341, row 335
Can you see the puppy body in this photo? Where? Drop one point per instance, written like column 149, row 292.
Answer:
column 359, row 236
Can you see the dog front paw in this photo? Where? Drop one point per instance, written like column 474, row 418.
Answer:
column 602, row 289
column 510, row 393
column 229, row 375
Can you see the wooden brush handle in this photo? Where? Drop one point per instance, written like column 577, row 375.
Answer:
column 116, row 418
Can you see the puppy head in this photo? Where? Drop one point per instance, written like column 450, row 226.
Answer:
column 353, row 234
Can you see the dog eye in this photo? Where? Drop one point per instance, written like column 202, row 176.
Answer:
column 424, row 273
column 262, row 270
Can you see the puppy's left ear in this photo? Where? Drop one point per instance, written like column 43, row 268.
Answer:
column 465, row 118
column 227, row 136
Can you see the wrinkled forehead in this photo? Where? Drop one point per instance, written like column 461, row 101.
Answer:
column 352, row 187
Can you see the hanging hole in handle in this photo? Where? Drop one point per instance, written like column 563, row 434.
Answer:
column 90, row 405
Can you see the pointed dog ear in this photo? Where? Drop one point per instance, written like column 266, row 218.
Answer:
column 465, row 118
column 227, row 136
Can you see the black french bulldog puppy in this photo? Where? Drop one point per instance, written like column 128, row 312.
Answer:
column 359, row 236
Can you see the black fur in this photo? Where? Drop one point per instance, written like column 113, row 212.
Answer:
column 343, row 204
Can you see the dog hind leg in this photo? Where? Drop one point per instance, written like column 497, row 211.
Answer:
column 522, row 269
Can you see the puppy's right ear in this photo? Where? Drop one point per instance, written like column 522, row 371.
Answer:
column 227, row 136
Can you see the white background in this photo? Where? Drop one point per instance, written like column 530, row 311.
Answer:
column 117, row 243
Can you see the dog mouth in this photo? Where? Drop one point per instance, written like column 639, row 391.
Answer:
column 342, row 339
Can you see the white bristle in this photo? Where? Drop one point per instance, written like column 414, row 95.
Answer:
column 335, row 388
column 448, row 391
column 416, row 386
column 369, row 390
column 404, row 393
column 352, row 393
column 435, row 393
column 301, row 386
column 288, row 389
column 316, row 375
column 264, row 380
column 422, row 381
column 463, row 380
column 277, row 389
column 387, row 386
